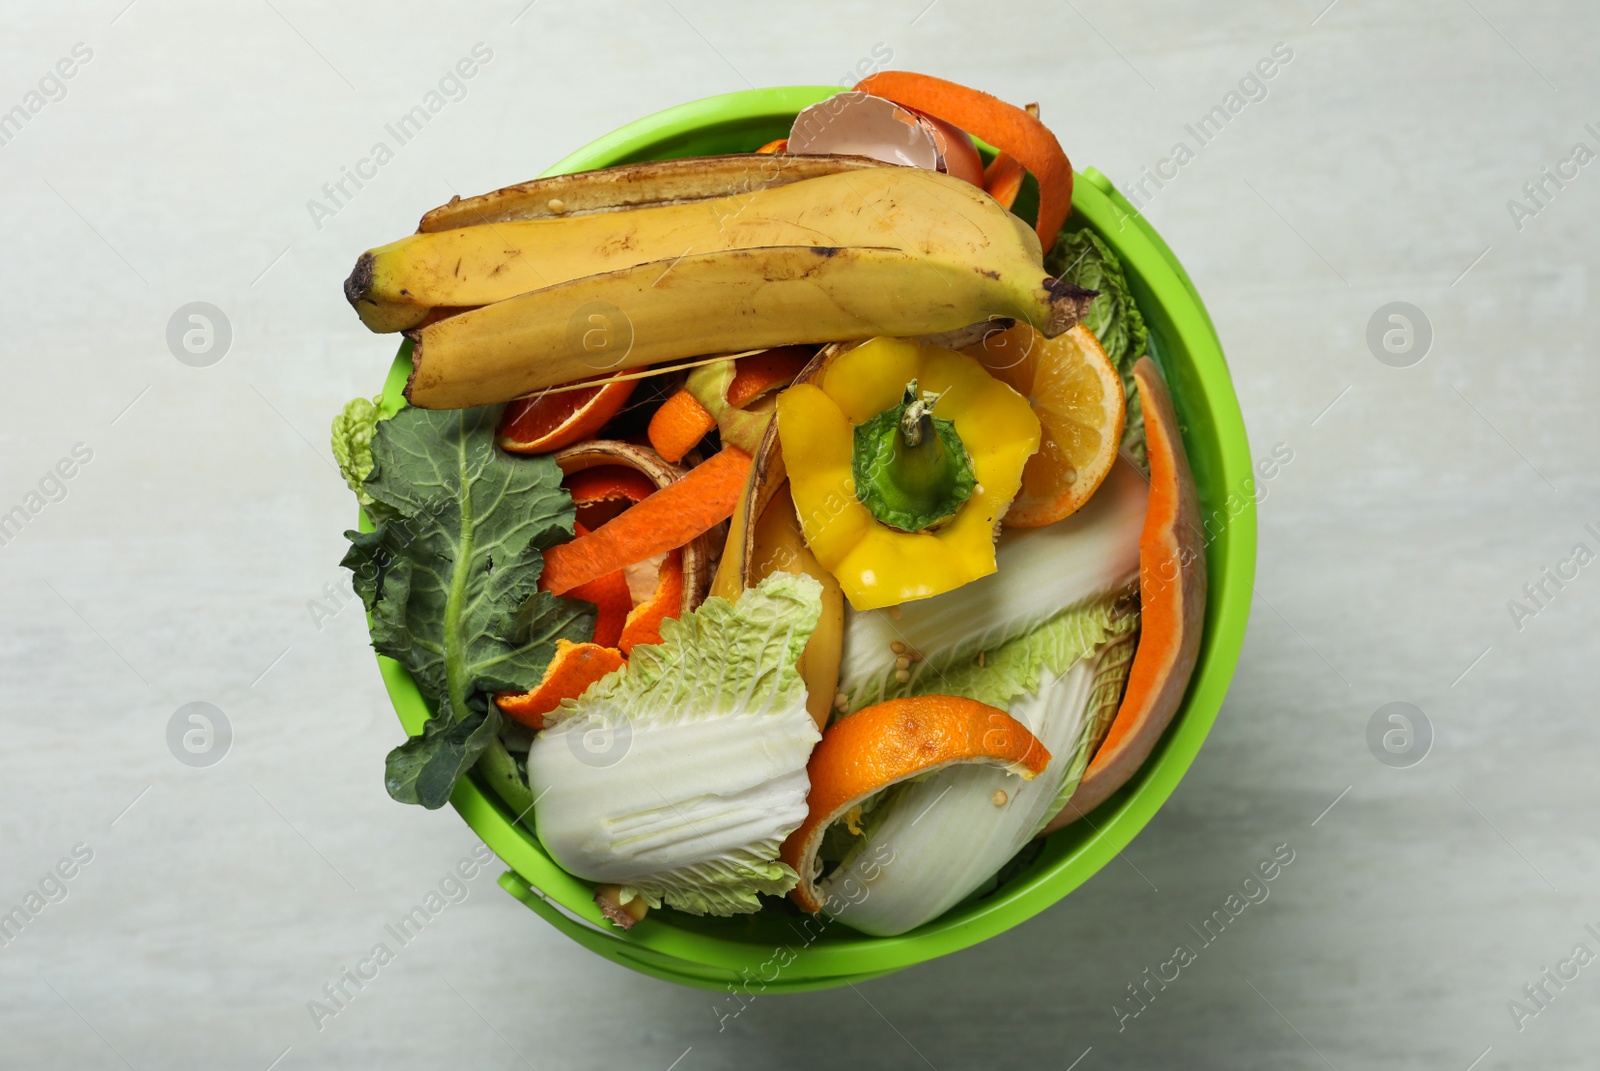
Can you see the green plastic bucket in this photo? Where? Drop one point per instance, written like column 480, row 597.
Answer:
column 783, row 951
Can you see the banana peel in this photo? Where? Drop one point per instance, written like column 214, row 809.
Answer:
column 463, row 254
column 659, row 182
column 393, row 286
column 764, row 537
column 725, row 302
column 899, row 252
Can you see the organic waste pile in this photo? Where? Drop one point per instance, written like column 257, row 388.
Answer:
column 792, row 523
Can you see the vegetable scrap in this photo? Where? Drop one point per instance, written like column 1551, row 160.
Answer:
column 855, row 552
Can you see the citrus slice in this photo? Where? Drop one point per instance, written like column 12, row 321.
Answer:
column 888, row 742
column 569, row 674
column 1077, row 394
column 550, row 421
column 1172, row 606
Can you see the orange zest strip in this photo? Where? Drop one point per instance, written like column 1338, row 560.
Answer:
column 1005, row 126
column 780, row 145
column 643, row 625
column 569, row 674
column 1002, row 179
column 887, row 743
column 547, row 422
column 679, row 425
column 755, row 375
column 1172, row 605
column 667, row 519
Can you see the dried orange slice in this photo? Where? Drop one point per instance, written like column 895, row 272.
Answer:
column 569, row 674
column 1076, row 392
column 888, row 742
column 550, row 421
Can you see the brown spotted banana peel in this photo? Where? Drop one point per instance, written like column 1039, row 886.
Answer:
column 952, row 257
column 480, row 249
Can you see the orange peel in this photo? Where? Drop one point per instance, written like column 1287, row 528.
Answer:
column 884, row 744
column 569, row 674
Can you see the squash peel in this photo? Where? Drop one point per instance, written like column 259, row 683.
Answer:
column 1172, row 594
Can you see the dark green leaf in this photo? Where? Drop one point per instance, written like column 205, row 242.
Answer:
column 450, row 577
column 425, row 768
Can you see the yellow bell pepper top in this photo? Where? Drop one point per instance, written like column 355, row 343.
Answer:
column 878, row 565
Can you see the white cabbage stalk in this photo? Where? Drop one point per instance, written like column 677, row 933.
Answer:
column 678, row 776
column 943, row 837
column 1040, row 573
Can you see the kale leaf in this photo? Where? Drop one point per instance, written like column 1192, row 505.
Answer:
column 450, row 576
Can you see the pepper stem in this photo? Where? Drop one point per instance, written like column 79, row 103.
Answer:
column 911, row 468
column 917, row 420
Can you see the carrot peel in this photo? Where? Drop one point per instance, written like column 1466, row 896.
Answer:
column 1002, row 179
column 664, row 521
column 679, row 425
column 1008, row 128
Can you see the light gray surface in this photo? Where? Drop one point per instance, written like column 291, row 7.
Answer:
column 1419, row 501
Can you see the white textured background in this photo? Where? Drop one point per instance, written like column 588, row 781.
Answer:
column 181, row 562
